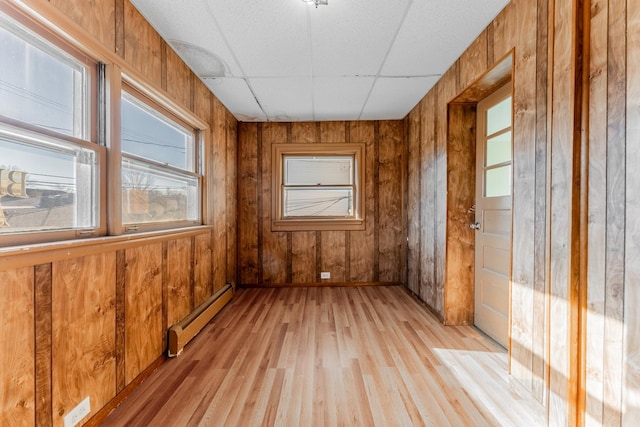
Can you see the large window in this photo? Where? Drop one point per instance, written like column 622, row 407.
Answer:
column 67, row 122
column 160, row 168
column 49, row 161
column 319, row 186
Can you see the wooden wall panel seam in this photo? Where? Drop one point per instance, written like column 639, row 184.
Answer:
column 616, row 147
column 192, row 277
column 540, row 195
column 163, row 65
column 259, row 211
column 43, row 345
column 165, row 292
column 120, row 320
column 318, row 254
column 289, row 275
column 192, row 91
column 630, row 290
column 376, row 180
column 490, row 54
column 347, row 241
column 238, row 207
column 347, row 257
column 119, row 27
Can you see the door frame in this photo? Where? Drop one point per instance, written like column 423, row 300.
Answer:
column 457, row 122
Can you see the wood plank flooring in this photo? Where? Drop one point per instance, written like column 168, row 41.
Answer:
column 349, row 356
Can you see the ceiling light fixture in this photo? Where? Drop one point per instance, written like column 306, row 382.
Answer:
column 317, row 2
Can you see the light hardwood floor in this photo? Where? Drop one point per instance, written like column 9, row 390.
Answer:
column 345, row 356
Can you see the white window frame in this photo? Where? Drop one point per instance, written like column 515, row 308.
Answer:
column 159, row 105
column 85, row 129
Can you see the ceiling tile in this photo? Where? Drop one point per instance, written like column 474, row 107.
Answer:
column 436, row 33
column 393, row 98
column 284, row 99
column 235, row 94
column 268, row 37
column 340, row 98
column 351, row 37
column 190, row 23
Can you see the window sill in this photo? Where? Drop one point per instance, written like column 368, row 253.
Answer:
column 37, row 253
column 318, row 225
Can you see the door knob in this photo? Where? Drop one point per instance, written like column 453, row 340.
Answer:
column 475, row 226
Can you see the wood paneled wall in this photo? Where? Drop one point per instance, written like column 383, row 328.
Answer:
column 612, row 297
column 101, row 320
column 276, row 258
column 441, row 178
column 574, row 297
column 88, row 318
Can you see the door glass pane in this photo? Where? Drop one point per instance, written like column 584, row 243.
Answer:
column 499, row 149
column 499, row 117
column 322, row 170
column 498, row 182
column 40, row 84
column 322, row 201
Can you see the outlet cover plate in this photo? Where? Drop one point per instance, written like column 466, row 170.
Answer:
column 325, row 275
column 74, row 417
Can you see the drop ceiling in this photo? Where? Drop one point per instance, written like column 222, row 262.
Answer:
column 285, row 60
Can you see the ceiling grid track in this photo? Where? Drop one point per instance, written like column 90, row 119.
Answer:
column 384, row 60
column 235, row 59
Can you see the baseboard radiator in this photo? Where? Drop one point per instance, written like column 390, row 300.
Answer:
column 181, row 333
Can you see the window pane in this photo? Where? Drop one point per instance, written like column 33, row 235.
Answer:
column 499, row 117
column 148, row 134
column 46, row 185
column 323, row 170
column 322, row 201
column 151, row 195
column 41, row 85
column 499, row 149
column 498, row 182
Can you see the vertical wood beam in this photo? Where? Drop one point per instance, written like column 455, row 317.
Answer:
column 582, row 133
column 566, row 186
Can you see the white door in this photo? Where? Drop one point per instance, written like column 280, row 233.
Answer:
column 493, row 215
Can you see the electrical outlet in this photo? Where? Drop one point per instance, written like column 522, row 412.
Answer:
column 78, row 413
column 325, row 275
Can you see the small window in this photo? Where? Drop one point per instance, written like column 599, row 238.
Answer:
column 49, row 161
column 160, row 176
column 319, row 187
